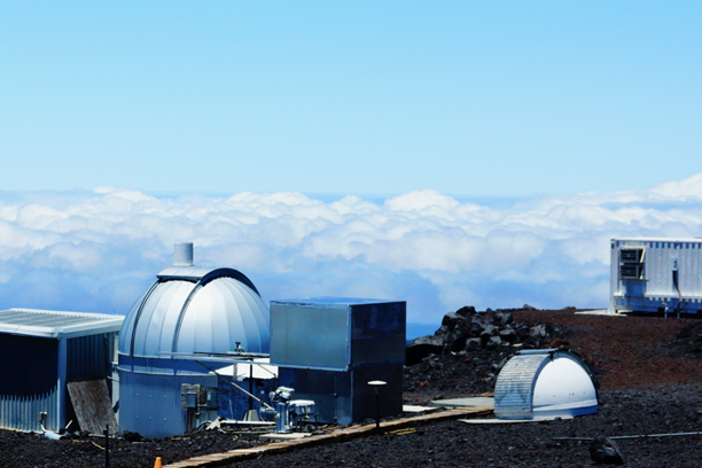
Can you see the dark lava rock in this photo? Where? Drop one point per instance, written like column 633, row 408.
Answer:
column 522, row 332
column 456, row 341
column 493, row 343
column 434, row 363
column 508, row 335
column 475, row 328
column 466, row 311
column 468, row 354
column 552, row 329
column 472, row 344
column 443, row 330
column 422, row 347
column 488, row 332
column 130, row 436
column 452, row 319
column 605, row 450
column 502, row 318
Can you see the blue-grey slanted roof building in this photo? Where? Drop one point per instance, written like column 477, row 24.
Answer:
column 40, row 352
column 189, row 314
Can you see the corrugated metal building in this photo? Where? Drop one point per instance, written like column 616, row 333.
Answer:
column 40, row 351
column 190, row 314
column 656, row 275
column 329, row 348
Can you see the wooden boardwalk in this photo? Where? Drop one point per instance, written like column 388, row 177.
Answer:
column 340, row 435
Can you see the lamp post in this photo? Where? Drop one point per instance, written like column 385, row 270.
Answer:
column 106, row 433
column 376, row 384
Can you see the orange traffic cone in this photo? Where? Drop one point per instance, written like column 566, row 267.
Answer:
column 158, row 463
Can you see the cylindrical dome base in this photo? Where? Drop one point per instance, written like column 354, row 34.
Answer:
column 158, row 405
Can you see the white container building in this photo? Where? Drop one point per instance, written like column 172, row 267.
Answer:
column 656, row 275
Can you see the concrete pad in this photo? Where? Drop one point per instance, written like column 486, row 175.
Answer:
column 288, row 436
column 512, row 421
column 417, row 408
column 604, row 312
column 488, row 402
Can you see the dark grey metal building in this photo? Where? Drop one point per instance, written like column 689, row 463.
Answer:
column 329, row 348
column 40, row 351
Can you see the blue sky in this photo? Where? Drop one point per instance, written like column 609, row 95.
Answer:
column 482, row 99
column 446, row 153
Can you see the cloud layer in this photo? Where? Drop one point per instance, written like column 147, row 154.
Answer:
column 99, row 250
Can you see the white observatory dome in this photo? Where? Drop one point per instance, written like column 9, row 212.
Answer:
column 192, row 310
column 537, row 384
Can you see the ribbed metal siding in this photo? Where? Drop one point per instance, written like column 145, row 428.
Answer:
column 514, row 389
column 337, row 336
column 221, row 313
column 127, row 330
column 659, row 270
column 158, row 320
column 180, row 316
column 89, row 356
column 150, row 403
column 658, row 288
column 51, row 319
column 28, row 382
column 378, row 333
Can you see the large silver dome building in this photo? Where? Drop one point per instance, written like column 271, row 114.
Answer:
column 186, row 316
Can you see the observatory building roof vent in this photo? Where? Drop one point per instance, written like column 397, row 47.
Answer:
column 183, row 254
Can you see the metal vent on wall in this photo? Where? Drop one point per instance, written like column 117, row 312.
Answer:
column 631, row 263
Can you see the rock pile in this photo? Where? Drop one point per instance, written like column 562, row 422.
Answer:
column 466, row 353
column 470, row 330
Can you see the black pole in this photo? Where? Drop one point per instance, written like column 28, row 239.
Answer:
column 251, row 390
column 376, row 384
column 377, row 411
column 107, row 446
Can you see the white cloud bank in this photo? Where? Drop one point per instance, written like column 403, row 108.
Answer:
column 99, row 250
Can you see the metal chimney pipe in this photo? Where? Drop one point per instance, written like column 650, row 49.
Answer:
column 183, row 254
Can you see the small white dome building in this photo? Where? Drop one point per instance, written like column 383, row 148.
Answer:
column 544, row 384
column 188, row 312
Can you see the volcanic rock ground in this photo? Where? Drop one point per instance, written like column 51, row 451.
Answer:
column 650, row 370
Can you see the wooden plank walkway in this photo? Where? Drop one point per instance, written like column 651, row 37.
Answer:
column 341, row 435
